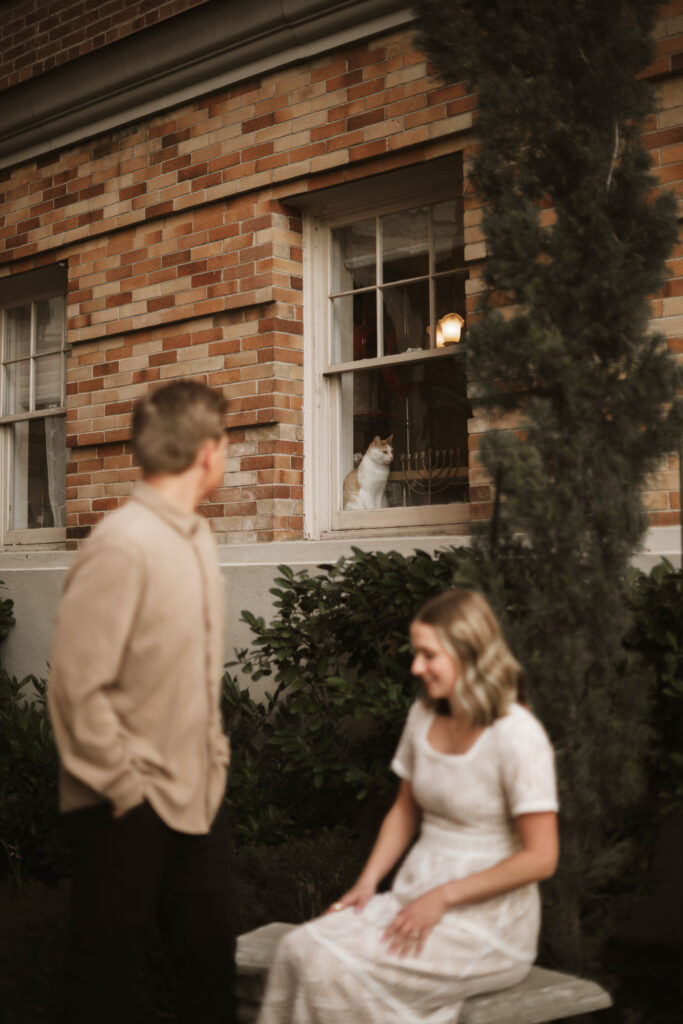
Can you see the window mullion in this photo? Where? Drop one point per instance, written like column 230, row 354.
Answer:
column 379, row 303
column 406, row 394
column 31, row 353
column 432, row 296
column 3, row 371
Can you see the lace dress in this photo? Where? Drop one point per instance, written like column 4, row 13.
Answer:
column 336, row 969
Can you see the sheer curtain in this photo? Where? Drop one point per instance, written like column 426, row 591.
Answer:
column 55, row 451
column 19, row 498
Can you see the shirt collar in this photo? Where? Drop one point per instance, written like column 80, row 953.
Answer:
column 184, row 522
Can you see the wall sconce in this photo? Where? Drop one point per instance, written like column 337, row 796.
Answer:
column 448, row 329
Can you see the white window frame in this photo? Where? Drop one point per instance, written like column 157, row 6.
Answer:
column 322, row 397
column 22, row 290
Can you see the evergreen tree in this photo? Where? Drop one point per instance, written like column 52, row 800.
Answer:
column 577, row 237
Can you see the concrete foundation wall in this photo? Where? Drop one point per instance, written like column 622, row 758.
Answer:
column 34, row 581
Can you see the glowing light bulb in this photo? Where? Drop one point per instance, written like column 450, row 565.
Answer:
column 449, row 329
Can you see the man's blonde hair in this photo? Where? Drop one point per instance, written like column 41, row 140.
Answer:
column 171, row 423
column 491, row 676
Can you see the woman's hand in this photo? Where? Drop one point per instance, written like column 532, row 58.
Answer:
column 356, row 897
column 409, row 930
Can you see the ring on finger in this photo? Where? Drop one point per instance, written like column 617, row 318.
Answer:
column 415, row 936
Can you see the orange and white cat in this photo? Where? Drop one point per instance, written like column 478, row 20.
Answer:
column 364, row 486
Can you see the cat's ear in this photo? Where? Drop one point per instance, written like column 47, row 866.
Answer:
column 388, row 440
column 376, row 439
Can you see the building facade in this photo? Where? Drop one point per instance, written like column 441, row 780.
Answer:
column 274, row 200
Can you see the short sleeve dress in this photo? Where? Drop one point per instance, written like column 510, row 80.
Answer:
column 336, row 969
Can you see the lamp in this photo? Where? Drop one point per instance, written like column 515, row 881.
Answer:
column 448, row 329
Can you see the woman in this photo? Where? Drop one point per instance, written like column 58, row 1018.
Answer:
column 477, row 779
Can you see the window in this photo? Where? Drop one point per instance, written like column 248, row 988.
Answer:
column 388, row 279
column 32, row 405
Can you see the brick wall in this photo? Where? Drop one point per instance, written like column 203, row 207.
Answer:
column 38, row 35
column 184, row 253
column 664, row 139
column 185, row 258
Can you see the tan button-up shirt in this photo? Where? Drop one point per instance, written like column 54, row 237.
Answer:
column 136, row 665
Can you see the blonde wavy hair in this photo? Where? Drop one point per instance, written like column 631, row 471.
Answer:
column 491, row 678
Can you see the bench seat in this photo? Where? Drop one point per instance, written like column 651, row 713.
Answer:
column 542, row 996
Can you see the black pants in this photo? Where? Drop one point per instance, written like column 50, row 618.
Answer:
column 130, row 874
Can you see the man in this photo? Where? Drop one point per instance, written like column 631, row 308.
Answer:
column 134, row 700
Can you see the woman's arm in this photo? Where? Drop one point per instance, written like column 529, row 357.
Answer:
column 536, row 860
column 396, row 833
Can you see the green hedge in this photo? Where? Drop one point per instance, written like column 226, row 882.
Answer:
column 313, row 753
column 335, row 663
column 315, row 749
column 31, row 845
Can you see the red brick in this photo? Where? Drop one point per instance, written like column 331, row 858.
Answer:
column 142, row 376
column 362, row 120
column 343, row 81
column 366, row 89
column 326, row 131
column 254, row 124
column 104, row 369
column 163, row 358
column 368, row 150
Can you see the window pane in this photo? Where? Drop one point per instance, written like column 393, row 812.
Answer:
column 17, row 388
column 49, row 323
column 354, row 327
column 48, row 382
column 405, row 244
column 353, row 256
column 17, row 332
column 424, row 407
column 448, row 236
column 449, row 295
column 406, row 317
column 38, row 473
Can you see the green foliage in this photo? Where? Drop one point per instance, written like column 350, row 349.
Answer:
column 6, row 615
column 658, row 635
column 577, row 238
column 298, row 844
column 295, row 880
column 30, row 834
column 337, row 656
column 559, row 115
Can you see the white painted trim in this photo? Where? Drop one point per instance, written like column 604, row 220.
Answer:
column 659, row 542
column 50, row 282
column 426, row 184
column 27, row 538
column 314, row 492
column 418, row 516
column 412, row 356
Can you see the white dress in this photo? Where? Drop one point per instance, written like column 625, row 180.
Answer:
column 336, row 969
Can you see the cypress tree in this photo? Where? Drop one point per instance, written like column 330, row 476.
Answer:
column 577, row 236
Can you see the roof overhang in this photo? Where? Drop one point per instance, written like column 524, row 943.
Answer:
column 205, row 49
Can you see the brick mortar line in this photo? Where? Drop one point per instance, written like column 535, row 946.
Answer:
column 115, row 230
column 162, row 325
column 127, row 439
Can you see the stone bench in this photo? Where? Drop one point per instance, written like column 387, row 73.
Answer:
column 542, row 996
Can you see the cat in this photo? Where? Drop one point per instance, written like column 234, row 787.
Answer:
column 364, row 486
